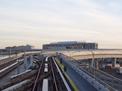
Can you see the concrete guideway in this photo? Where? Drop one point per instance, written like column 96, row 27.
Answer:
column 87, row 54
column 86, row 75
column 66, row 84
column 75, row 74
column 50, row 75
column 62, row 67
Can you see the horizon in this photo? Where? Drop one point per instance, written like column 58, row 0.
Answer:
column 36, row 22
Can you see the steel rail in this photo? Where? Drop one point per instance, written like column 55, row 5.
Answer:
column 38, row 74
column 54, row 78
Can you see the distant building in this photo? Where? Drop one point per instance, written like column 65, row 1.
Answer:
column 70, row 45
column 18, row 48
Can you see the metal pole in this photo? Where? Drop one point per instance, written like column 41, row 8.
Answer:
column 92, row 64
column 18, row 68
column 10, row 52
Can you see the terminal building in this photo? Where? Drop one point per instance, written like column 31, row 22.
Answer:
column 70, row 45
column 19, row 48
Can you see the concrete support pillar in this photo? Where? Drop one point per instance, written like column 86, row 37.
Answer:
column 18, row 68
column 114, row 62
column 92, row 63
column 28, row 61
column 97, row 64
column 93, row 59
column 31, row 60
column 120, row 62
column 25, row 62
column 101, row 63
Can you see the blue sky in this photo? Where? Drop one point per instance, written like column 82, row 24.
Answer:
column 42, row 21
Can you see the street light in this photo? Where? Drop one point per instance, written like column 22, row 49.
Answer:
column 93, row 63
column 9, row 52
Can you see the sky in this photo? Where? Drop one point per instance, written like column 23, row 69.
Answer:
column 37, row 22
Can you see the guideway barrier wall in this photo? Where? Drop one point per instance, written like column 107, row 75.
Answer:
column 99, row 85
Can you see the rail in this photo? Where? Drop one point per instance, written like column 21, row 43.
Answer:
column 38, row 74
column 54, row 78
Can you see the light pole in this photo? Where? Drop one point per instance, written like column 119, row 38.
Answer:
column 93, row 63
column 9, row 52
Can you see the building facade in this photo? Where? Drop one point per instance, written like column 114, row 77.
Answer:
column 70, row 45
column 19, row 48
